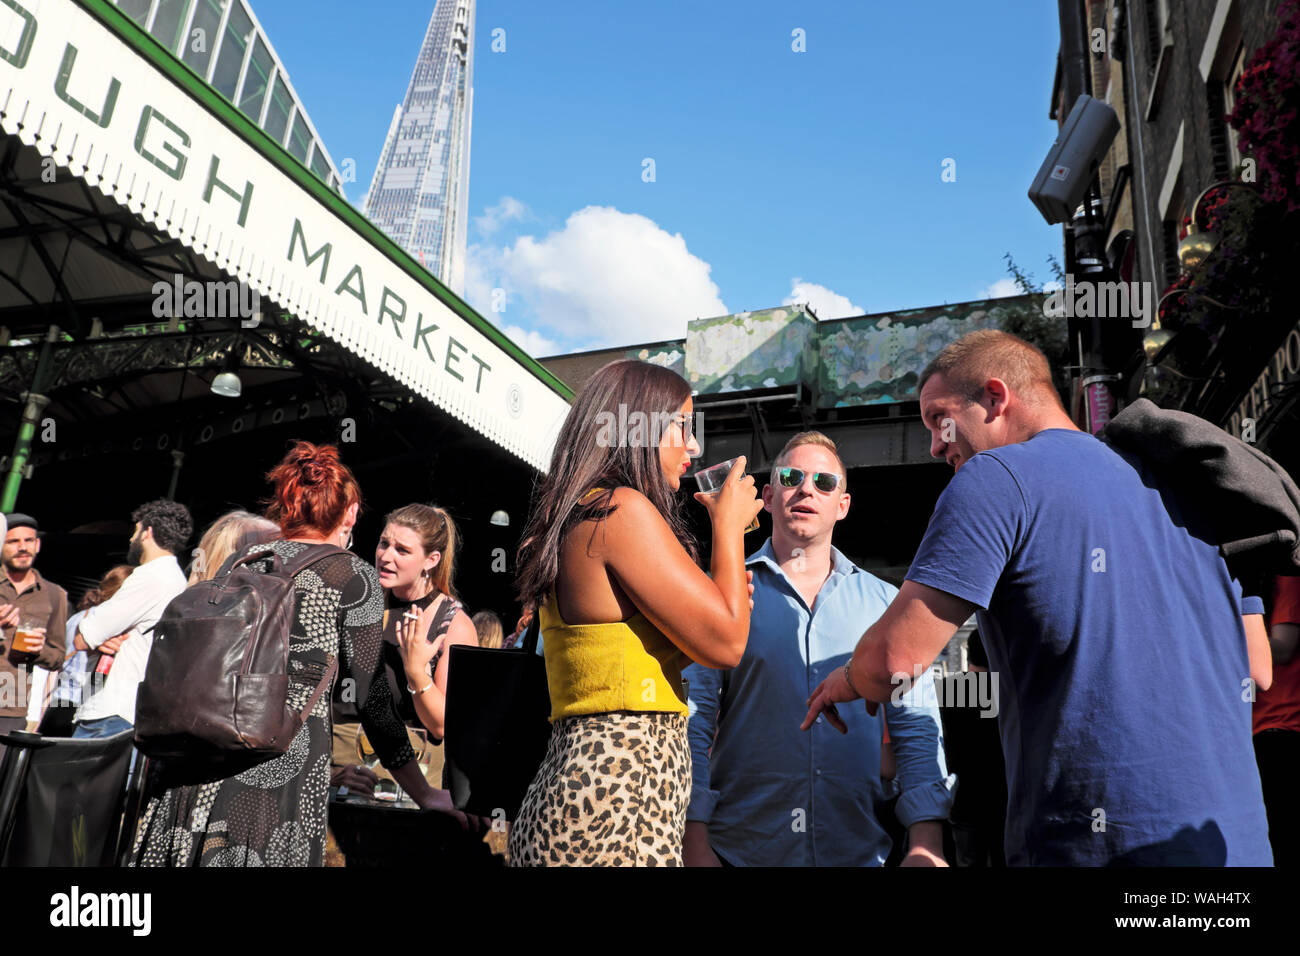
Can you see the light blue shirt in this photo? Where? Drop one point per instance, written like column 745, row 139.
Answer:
column 71, row 688
column 774, row 795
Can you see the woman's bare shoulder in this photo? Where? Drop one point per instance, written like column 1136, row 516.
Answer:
column 462, row 629
column 631, row 516
column 632, row 506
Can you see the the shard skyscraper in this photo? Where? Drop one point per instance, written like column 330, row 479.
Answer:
column 420, row 192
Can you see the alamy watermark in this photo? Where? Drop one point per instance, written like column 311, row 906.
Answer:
column 76, row 909
column 16, row 687
column 964, row 689
column 1134, row 301
column 640, row 429
column 210, row 299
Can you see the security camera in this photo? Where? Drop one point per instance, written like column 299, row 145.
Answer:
column 1073, row 159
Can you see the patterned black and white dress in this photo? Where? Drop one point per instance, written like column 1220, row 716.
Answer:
column 272, row 812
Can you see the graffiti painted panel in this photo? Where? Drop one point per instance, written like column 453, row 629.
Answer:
column 670, row 355
column 752, row 350
column 878, row 359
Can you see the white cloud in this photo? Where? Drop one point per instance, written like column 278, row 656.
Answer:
column 606, row 278
column 507, row 209
column 1000, row 289
column 532, row 342
column 480, row 267
column 825, row 303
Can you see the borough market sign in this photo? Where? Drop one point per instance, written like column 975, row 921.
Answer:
column 84, row 86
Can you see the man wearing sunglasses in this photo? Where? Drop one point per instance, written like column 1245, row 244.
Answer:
column 763, row 793
column 1113, row 621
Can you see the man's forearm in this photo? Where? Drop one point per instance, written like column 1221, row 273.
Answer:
column 926, row 835
column 696, row 850
column 866, row 677
column 915, row 730
column 704, row 696
column 906, row 639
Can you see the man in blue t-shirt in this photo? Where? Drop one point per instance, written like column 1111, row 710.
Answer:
column 1115, row 628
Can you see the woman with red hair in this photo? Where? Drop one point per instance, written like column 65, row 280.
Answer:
column 272, row 812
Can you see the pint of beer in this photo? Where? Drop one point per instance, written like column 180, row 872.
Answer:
column 29, row 637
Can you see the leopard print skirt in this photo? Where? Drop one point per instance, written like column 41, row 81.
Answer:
column 612, row 791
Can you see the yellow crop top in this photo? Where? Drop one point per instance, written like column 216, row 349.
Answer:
column 597, row 668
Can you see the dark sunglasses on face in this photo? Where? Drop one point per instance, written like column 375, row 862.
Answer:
column 823, row 481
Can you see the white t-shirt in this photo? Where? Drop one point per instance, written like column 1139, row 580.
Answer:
column 135, row 607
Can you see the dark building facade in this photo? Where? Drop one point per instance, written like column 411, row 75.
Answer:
column 1198, row 208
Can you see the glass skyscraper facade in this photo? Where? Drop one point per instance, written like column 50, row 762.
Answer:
column 420, row 192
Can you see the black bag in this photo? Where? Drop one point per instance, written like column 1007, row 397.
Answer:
column 497, row 725
column 217, row 681
column 61, row 799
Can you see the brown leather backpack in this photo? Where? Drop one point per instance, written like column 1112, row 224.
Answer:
column 217, row 681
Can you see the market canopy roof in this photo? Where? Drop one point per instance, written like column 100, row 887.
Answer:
column 87, row 88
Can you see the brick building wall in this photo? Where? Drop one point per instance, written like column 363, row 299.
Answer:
column 1178, row 59
column 1166, row 68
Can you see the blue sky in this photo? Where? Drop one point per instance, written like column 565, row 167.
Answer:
column 771, row 167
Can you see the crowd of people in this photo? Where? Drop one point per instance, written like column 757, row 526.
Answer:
column 772, row 709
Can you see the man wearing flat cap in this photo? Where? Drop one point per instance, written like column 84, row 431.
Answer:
column 28, row 599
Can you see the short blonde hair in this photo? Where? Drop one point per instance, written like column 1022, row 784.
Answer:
column 488, row 627
column 821, row 441
column 967, row 364
column 230, row 533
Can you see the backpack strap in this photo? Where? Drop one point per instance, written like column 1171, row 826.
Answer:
column 305, row 559
column 290, row 566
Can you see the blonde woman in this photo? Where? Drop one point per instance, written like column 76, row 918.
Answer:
column 489, row 629
column 229, row 534
column 416, row 559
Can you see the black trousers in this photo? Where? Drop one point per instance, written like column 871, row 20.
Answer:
column 1277, row 753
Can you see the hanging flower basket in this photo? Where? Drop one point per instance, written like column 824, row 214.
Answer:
column 1226, row 206
column 1173, row 306
column 1212, row 205
column 1267, row 115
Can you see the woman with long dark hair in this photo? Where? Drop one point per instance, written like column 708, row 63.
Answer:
column 609, row 563
column 259, row 811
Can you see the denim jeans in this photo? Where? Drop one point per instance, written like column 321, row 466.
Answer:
column 103, row 727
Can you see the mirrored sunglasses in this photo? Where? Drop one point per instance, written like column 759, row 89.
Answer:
column 823, row 481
